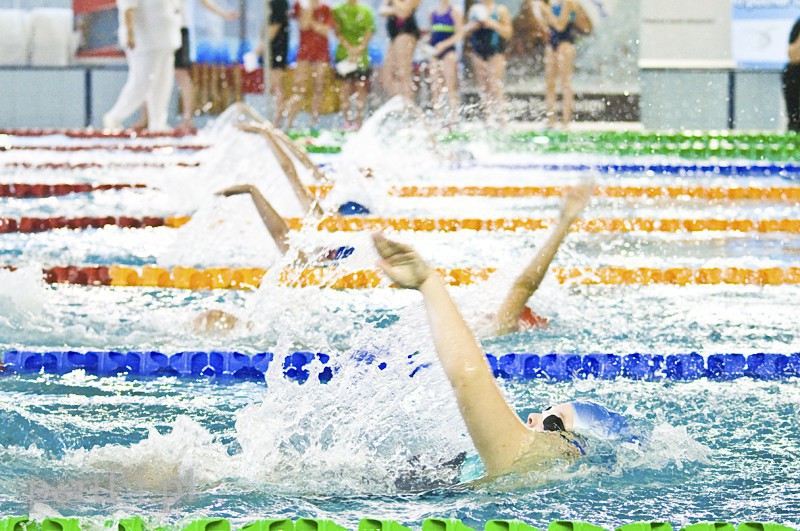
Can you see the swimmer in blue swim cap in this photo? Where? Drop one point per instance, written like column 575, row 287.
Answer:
column 505, row 444
column 584, row 419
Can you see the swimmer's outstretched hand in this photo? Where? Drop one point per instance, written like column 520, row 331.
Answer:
column 401, row 263
column 237, row 190
column 576, row 199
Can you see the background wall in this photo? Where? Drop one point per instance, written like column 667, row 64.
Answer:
column 607, row 63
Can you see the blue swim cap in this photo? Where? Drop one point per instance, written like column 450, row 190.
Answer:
column 351, row 208
column 599, row 422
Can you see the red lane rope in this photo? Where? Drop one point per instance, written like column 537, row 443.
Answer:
column 88, row 165
column 110, row 147
column 30, row 225
column 91, row 133
column 23, row 190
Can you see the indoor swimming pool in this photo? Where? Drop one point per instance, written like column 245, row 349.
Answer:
column 675, row 259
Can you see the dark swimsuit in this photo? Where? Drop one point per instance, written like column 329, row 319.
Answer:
column 396, row 26
column 486, row 42
column 568, row 35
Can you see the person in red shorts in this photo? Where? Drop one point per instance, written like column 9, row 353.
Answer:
column 313, row 56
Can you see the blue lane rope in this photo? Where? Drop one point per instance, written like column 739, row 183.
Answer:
column 297, row 366
column 719, row 169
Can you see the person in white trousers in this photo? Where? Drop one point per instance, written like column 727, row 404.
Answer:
column 149, row 32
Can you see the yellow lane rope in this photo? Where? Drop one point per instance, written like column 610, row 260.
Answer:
column 353, row 224
column 249, row 278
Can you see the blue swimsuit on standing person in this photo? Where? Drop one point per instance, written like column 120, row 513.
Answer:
column 569, row 33
column 486, row 42
column 442, row 28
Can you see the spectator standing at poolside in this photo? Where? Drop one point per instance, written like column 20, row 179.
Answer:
column 149, row 32
column 566, row 22
column 489, row 29
column 791, row 79
column 401, row 25
column 447, row 26
column 183, row 63
column 315, row 20
column 354, row 24
column 277, row 32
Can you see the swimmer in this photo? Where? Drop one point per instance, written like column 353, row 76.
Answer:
column 514, row 315
column 505, row 444
column 584, row 418
column 282, row 146
column 220, row 322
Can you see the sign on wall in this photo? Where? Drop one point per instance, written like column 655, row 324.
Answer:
column 761, row 32
column 686, row 34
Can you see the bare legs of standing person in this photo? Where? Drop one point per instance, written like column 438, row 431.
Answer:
column 444, row 82
column 558, row 66
column 302, row 72
column 491, row 74
column 188, row 102
column 277, row 77
column 357, row 86
column 396, row 76
column 150, row 80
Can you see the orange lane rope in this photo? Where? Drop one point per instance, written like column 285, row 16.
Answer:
column 352, row 224
column 249, row 278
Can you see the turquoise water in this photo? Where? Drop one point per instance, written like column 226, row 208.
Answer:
column 171, row 450
column 721, row 450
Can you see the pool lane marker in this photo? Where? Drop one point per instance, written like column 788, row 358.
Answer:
column 191, row 278
column 297, row 365
column 107, row 147
column 709, row 193
column 94, row 133
column 25, row 190
column 32, row 225
column 94, row 165
column 354, row 224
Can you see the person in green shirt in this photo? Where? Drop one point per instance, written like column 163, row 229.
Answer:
column 354, row 25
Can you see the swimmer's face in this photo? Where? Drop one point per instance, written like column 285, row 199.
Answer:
column 535, row 422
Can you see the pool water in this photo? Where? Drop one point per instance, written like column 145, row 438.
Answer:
column 170, row 449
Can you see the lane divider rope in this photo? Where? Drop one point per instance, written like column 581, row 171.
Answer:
column 136, row 523
column 109, row 147
column 93, row 165
column 93, row 133
column 718, row 169
column 525, row 366
column 353, row 224
column 24, row 190
column 32, row 225
column 772, row 193
column 333, row 278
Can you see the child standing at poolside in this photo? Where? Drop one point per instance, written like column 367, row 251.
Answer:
column 315, row 21
column 354, row 25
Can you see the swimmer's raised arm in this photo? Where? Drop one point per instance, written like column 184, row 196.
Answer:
column 507, row 318
column 303, row 194
column 274, row 222
column 497, row 432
